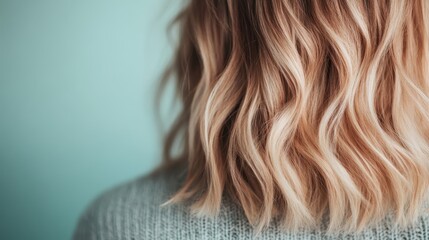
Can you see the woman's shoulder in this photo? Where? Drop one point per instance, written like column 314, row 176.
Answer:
column 132, row 211
column 124, row 209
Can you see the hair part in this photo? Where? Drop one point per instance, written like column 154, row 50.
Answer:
column 298, row 108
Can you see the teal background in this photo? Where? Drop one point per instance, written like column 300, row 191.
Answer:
column 77, row 84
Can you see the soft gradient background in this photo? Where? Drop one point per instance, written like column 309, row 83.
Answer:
column 77, row 82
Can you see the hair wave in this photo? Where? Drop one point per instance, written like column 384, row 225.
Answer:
column 300, row 108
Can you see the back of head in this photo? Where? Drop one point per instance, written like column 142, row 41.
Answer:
column 300, row 108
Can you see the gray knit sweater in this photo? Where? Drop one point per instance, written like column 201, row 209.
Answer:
column 132, row 212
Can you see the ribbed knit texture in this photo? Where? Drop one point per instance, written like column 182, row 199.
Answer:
column 132, row 212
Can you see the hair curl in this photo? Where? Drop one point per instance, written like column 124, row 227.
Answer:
column 298, row 108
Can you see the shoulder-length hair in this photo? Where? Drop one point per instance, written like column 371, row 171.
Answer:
column 300, row 108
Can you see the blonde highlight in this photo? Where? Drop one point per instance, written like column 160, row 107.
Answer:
column 297, row 108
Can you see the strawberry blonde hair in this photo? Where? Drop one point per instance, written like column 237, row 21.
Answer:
column 300, row 108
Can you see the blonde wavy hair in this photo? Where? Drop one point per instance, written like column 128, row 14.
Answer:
column 301, row 108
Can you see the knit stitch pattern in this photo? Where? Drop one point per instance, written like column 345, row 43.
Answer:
column 132, row 211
